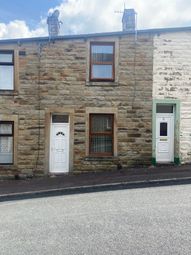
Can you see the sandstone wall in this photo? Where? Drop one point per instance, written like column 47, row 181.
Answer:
column 54, row 75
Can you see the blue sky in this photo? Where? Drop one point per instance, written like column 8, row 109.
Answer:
column 29, row 10
column 27, row 18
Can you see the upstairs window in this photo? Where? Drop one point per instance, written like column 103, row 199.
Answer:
column 6, row 142
column 102, row 61
column 101, row 134
column 6, row 70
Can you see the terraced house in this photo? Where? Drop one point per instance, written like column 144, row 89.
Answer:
column 95, row 101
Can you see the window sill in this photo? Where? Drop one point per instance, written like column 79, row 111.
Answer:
column 102, row 83
column 104, row 158
column 8, row 167
column 6, row 164
column 8, row 93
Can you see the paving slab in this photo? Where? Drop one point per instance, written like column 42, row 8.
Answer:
column 91, row 182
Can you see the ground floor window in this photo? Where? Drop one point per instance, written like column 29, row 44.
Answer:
column 6, row 142
column 101, row 135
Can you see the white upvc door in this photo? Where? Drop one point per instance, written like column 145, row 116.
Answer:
column 59, row 148
column 164, row 137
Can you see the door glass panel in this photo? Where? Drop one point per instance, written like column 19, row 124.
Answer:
column 163, row 129
column 164, row 108
column 60, row 118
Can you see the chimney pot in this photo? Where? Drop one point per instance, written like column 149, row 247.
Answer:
column 53, row 24
column 129, row 20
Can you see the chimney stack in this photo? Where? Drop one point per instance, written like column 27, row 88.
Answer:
column 53, row 24
column 129, row 20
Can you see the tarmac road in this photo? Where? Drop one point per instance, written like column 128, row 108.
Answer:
column 134, row 221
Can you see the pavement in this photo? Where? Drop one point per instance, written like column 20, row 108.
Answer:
column 94, row 182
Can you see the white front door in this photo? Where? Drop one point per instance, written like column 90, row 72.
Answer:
column 164, row 137
column 59, row 148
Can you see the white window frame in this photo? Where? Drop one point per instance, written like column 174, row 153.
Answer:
column 8, row 65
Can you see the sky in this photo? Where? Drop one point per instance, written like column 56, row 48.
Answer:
column 27, row 18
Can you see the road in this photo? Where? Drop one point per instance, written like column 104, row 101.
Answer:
column 135, row 221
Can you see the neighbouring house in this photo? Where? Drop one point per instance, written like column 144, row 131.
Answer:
column 92, row 102
column 172, row 95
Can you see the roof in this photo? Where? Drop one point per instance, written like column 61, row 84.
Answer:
column 93, row 35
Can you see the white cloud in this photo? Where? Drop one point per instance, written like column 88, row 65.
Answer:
column 19, row 29
column 85, row 16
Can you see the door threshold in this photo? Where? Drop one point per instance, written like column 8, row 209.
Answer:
column 58, row 174
column 165, row 164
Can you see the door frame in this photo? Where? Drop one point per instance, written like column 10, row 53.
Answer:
column 176, row 105
column 51, row 137
column 48, row 119
column 171, row 144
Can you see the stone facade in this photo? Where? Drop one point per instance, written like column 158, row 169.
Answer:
column 172, row 80
column 53, row 77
